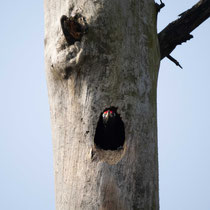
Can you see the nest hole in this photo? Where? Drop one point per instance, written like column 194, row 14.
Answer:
column 110, row 130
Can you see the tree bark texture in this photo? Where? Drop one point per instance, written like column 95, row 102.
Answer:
column 114, row 64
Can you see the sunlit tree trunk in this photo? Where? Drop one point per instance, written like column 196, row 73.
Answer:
column 116, row 64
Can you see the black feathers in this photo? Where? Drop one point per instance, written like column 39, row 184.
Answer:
column 110, row 133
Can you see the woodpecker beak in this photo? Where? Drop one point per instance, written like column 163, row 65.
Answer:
column 106, row 115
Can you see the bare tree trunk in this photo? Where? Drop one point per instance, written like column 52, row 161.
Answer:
column 115, row 63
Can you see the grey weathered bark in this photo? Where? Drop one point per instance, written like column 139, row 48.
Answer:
column 115, row 64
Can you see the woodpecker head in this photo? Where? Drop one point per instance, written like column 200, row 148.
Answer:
column 108, row 115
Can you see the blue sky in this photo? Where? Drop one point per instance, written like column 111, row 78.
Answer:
column 26, row 160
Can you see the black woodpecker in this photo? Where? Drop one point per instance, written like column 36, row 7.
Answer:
column 110, row 133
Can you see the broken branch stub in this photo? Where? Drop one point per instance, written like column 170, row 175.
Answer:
column 179, row 30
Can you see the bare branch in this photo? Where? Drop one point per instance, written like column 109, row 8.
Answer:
column 179, row 30
column 174, row 61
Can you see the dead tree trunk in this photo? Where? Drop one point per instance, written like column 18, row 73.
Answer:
column 102, row 54
column 109, row 56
